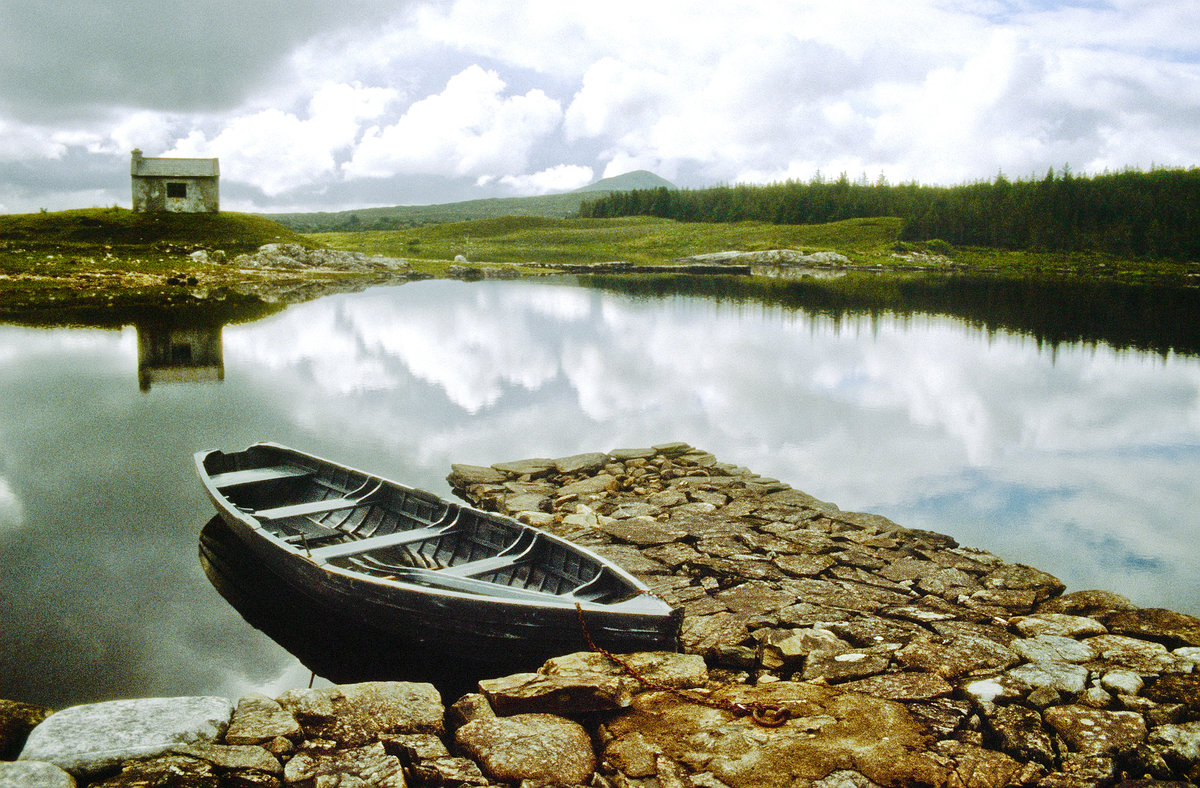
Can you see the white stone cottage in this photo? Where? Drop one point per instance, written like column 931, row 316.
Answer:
column 174, row 185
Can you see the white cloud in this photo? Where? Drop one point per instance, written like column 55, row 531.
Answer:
column 615, row 97
column 559, row 178
column 146, row 130
column 11, row 511
column 277, row 151
column 469, row 129
column 485, row 99
column 20, row 142
column 374, row 348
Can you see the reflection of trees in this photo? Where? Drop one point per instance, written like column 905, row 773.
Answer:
column 1151, row 318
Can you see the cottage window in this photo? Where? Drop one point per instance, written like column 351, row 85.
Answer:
column 177, row 190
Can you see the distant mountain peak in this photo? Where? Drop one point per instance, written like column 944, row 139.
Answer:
column 638, row 179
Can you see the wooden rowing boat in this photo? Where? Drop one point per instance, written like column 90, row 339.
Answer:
column 429, row 571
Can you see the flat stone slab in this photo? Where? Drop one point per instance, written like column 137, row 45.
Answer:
column 662, row 668
column 633, row 454
column 1060, row 676
column 577, row 463
column 594, row 484
column 1059, row 625
column 475, row 474
column 33, row 774
column 90, row 739
column 260, row 719
column 359, row 766
column 1163, row 626
column 530, row 467
column 535, row 693
column 541, row 748
column 1095, row 731
column 355, row 714
column 1053, row 648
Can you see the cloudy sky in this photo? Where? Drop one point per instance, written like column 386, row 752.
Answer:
column 313, row 104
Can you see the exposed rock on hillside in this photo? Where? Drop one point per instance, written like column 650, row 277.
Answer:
column 295, row 256
column 772, row 257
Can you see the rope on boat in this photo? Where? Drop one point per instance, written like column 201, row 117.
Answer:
column 766, row 715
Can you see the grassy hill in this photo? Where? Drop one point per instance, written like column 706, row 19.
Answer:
column 116, row 228
column 641, row 240
column 111, row 267
column 554, row 206
column 874, row 243
column 630, row 181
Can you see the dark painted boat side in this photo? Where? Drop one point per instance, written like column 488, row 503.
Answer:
column 464, row 598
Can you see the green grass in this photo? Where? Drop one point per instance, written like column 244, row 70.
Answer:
column 868, row 243
column 112, row 258
column 111, row 228
column 639, row 240
column 109, row 257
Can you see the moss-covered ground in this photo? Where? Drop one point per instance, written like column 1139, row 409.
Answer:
column 89, row 259
column 76, row 262
column 868, row 243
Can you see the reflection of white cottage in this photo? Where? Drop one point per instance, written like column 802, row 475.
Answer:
column 174, row 185
column 179, row 354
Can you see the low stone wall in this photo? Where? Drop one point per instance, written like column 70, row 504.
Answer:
column 899, row 657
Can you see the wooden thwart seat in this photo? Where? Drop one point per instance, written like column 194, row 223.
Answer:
column 253, row 475
column 350, row 500
column 481, row 567
column 592, row 589
column 396, row 539
column 308, row 508
column 307, row 531
column 485, row 566
column 436, row 578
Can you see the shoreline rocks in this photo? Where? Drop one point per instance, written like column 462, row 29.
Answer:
column 297, row 257
column 897, row 656
column 779, row 587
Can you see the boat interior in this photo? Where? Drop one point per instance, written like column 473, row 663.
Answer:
column 364, row 524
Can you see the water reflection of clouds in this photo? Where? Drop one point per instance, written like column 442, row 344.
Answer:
column 12, row 513
column 897, row 415
column 473, row 351
column 1081, row 462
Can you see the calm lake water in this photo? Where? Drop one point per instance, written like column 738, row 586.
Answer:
column 1044, row 442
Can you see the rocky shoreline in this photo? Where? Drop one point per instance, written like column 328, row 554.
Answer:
column 893, row 657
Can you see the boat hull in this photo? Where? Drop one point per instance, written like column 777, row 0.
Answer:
column 444, row 608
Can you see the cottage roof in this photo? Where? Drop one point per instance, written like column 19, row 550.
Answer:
column 174, row 168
